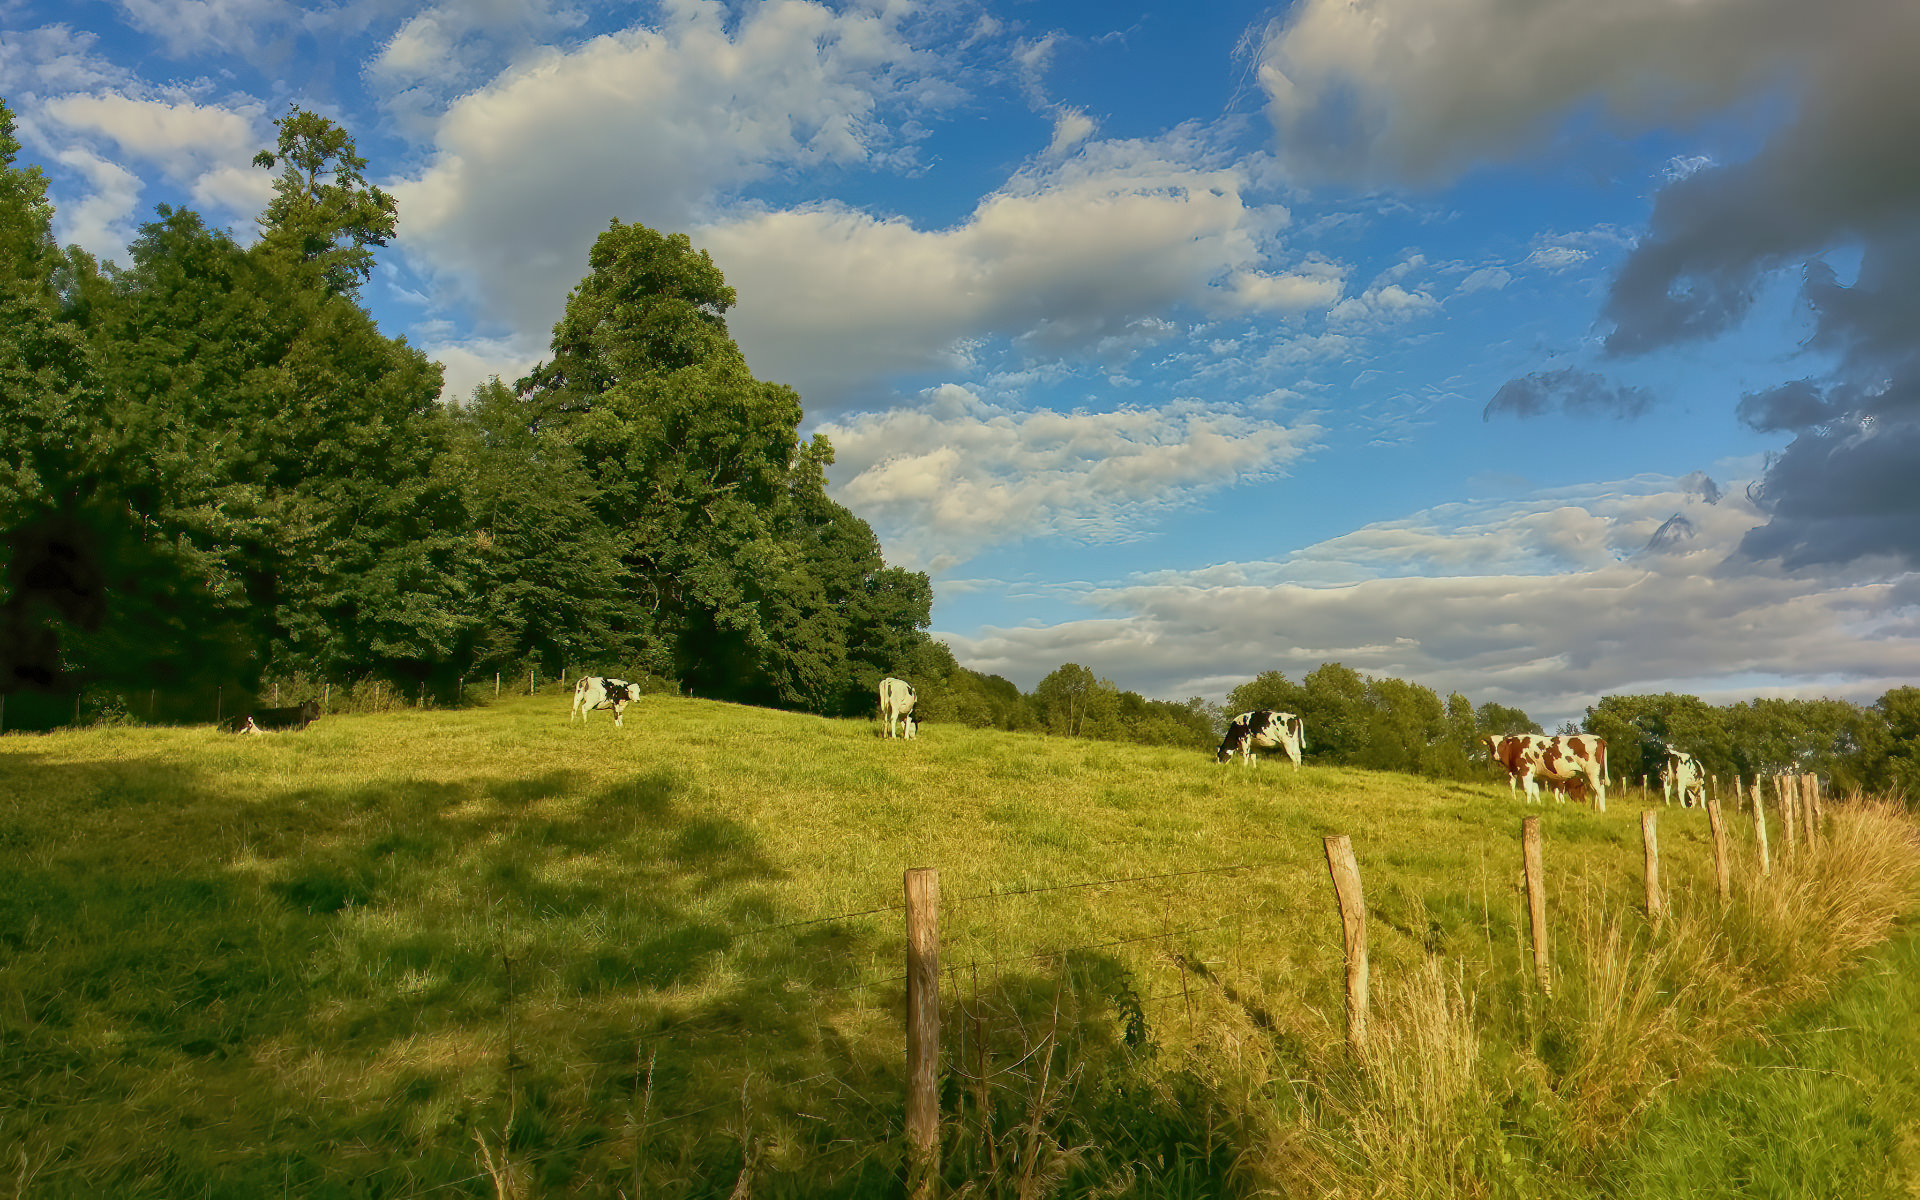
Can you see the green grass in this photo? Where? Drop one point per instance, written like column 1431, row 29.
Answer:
column 488, row 952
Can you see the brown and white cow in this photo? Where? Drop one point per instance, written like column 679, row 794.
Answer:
column 1531, row 758
column 1263, row 729
column 1680, row 772
column 1508, row 750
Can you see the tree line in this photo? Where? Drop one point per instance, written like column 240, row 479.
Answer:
column 1392, row 724
column 216, row 470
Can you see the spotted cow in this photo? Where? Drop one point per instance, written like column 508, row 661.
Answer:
column 1680, row 772
column 274, row 720
column 1263, row 729
column 600, row 691
column 1509, row 751
column 896, row 705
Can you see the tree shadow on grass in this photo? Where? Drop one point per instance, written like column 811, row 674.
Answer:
column 240, row 990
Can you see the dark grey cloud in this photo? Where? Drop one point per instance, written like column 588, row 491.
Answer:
column 1569, row 390
column 1841, row 175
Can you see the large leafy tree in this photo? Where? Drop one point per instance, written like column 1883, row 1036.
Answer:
column 750, row 581
column 287, row 442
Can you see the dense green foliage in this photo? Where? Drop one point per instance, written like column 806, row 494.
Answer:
column 215, row 470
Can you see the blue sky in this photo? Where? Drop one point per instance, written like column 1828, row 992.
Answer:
column 1181, row 341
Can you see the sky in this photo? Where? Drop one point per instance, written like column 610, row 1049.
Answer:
column 1540, row 352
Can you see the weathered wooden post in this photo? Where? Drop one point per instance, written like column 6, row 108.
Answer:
column 923, row 1030
column 276, row 693
column 1722, row 873
column 1345, row 870
column 1650, row 839
column 529, row 682
column 1760, row 829
column 1788, row 830
column 1819, row 807
column 1536, row 876
column 496, row 685
column 326, row 702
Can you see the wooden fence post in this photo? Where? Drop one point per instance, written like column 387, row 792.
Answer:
column 496, row 685
column 327, row 702
column 1819, row 807
column 1788, row 835
column 529, row 682
column 923, row 1030
column 1722, row 875
column 1760, row 830
column 1345, row 870
column 1650, row 839
column 1536, row 901
column 276, row 693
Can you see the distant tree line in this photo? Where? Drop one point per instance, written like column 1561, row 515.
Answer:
column 215, row 469
column 1395, row 725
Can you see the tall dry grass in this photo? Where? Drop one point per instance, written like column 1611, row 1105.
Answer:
column 1452, row 1099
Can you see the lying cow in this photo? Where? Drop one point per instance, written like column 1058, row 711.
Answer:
column 1680, row 772
column 274, row 720
column 1263, row 729
column 897, row 699
column 599, row 691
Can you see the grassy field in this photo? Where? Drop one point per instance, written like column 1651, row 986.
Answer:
column 487, row 952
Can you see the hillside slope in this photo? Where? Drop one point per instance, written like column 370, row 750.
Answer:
column 492, row 949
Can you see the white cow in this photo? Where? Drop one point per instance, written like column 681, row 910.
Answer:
column 599, row 691
column 1680, row 772
column 896, row 704
column 1263, row 729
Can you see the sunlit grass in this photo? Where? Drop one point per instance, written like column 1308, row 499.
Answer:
column 344, row 961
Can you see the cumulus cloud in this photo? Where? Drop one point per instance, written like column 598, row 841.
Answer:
column 1568, row 390
column 101, row 222
column 1071, row 257
column 1545, row 604
column 649, row 125
column 956, row 475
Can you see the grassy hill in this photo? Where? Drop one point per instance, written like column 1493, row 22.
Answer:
column 491, row 952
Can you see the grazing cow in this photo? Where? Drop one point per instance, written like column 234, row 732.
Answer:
column 598, row 691
column 1568, row 757
column 1509, row 750
column 1680, row 772
column 273, row 720
column 909, row 727
column 896, row 704
column 1263, row 729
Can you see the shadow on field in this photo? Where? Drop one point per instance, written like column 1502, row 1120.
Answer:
column 349, row 990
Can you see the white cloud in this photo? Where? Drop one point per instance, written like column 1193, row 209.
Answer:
column 1547, row 604
column 645, row 125
column 1064, row 259
column 946, row 480
column 100, row 223
column 208, row 148
column 193, row 27
column 1556, row 258
column 1071, row 126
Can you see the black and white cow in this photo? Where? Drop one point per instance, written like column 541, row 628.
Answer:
column 1680, row 772
column 274, row 720
column 599, row 691
column 1264, row 729
column 896, row 704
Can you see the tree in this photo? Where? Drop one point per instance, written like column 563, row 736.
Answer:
column 324, row 214
column 752, row 583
